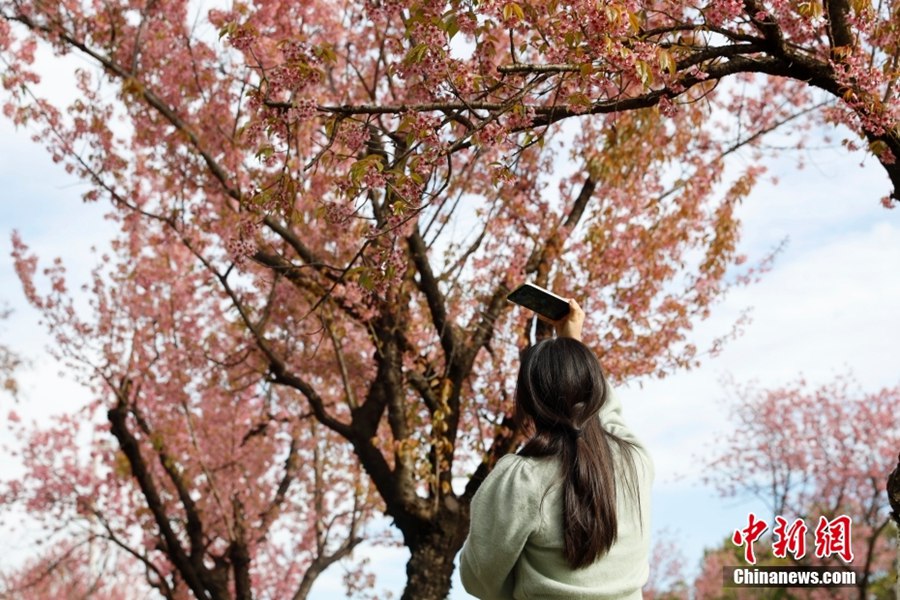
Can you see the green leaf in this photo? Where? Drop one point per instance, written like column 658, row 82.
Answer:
column 644, row 72
column 330, row 127
column 513, row 10
column 878, row 147
column 416, row 54
column 810, row 10
column 365, row 280
column 451, row 25
column 666, row 61
column 265, row 152
column 261, row 198
column 362, row 166
column 326, row 53
column 578, row 99
column 228, row 29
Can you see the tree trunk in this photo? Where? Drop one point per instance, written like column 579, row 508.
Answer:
column 431, row 562
column 893, row 493
column 897, row 564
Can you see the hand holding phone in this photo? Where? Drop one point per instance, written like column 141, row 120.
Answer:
column 565, row 314
column 543, row 302
column 572, row 324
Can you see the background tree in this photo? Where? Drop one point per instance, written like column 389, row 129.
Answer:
column 709, row 584
column 807, row 453
column 10, row 362
column 667, row 579
column 198, row 466
column 349, row 190
column 81, row 571
column 893, row 490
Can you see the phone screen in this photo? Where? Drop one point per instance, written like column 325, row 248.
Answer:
column 539, row 301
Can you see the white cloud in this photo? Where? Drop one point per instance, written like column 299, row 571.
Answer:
column 816, row 312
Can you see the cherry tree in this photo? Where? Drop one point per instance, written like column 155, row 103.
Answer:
column 10, row 362
column 667, row 579
column 196, row 464
column 322, row 208
column 76, row 571
column 810, row 453
column 893, row 490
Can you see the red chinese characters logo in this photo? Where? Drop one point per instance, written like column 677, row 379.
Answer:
column 832, row 538
column 748, row 535
column 789, row 538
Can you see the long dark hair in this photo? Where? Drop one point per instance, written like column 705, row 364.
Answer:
column 559, row 391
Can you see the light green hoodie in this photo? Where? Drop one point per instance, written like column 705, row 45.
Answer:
column 514, row 548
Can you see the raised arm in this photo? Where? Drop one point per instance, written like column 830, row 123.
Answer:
column 611, row 413
column 571, row 324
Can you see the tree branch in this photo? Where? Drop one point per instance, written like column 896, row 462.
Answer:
column 839, row 32
column 186, row 565
column 437, row 303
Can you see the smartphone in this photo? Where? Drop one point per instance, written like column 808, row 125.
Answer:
column 539, row 300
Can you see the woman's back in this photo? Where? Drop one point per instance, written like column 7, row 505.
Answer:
column 516, row 539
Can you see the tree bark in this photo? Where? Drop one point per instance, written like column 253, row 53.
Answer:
column 897, row 567
column 433, row 549
column 893, row 492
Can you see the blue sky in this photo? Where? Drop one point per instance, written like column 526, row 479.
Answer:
column 826, row 308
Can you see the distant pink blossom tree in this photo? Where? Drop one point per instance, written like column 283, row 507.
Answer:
column 10, row 362
column 668, row 578
column 81, row 570
column 808, row 453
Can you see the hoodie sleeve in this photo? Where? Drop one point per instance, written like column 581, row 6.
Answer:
column 505, row 511
column 612, row 420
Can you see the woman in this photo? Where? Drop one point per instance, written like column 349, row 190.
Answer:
column 568, row 515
